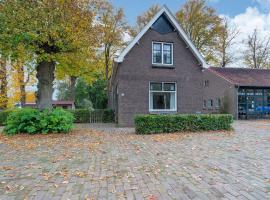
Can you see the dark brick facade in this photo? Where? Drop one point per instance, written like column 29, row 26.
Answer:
column 133, row 75
column 219, row 88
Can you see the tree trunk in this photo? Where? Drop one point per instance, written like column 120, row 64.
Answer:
column 22, row 83
column 3, row 84
column 107, row 65
column 72, row 88
column 45, row 76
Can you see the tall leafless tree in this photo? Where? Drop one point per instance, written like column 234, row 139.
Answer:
column 257, row 54
column 227, row 37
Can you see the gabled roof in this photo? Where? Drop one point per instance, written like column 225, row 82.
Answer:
column 244, row 76
column 177, row 26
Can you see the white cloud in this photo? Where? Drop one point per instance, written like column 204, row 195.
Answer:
column 246, row 22
column 252, row 19
column 263, row 3
column 213, row 1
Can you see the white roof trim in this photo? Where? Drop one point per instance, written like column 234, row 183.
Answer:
column 172, row 19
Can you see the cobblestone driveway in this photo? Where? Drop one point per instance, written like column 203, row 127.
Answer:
column 117, row 164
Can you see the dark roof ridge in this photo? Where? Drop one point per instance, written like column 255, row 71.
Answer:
column 243, row 76
column 238, row 68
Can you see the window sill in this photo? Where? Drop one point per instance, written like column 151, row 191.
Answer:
column 163, row 111
column 163, row 66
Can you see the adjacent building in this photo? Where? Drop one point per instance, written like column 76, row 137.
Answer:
column 162, row 72
column 242, row 92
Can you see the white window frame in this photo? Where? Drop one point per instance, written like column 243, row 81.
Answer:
column 162, row 56
column 209, row 102
column 175, row 96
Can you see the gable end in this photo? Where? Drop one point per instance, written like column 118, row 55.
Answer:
column 159, row 26
column 163, row 25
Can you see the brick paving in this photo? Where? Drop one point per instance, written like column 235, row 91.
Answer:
column 102, row 162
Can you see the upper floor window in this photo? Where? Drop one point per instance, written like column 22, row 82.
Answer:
column 162, row 53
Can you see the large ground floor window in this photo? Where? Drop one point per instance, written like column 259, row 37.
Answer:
column 162, row 96
column 253, row 102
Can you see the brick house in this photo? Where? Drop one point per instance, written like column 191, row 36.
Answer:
column 162, row 72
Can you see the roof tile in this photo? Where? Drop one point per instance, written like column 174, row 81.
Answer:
column 244, row 76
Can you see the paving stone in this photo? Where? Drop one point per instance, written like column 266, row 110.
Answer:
column 104, row 162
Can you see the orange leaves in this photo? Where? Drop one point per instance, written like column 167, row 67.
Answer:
column 151, row 197
column 93, row 145
column 3, row 84
column 46, row 176
column 80, row 174
column 30, row 97
column 6, row 168
column 143, row 19
column 168, row 137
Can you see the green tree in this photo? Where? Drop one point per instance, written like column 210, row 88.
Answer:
column 63, row 92
column 203, row 26
column 47, row 30
column 94, row 94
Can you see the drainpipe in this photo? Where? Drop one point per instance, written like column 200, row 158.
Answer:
column 237, row 97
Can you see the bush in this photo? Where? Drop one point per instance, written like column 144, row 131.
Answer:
column 81, row 115
column 108, row 116
column 149, row 124
column 3, row 116
column 33, row 121
column 56, row 121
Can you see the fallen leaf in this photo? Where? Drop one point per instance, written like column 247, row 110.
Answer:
column 80, row 174
column 6, row 168
column 8, row 188
column 152, row 197
column 46, row 176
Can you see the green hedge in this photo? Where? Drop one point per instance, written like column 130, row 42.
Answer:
column 150, row 124
column 3, row 116
column 33, row 121
column 83, row 115
column 108, row 116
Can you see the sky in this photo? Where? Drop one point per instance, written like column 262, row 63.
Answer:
column 245, row 15
column 230, row 8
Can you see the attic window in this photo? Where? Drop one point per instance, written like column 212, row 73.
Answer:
column 162, row 53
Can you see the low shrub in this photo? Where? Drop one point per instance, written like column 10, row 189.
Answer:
column 108, row 116
column 84, row 115
column 56, row 121
column 81, row 115
column 33, row 121
column 150, row 124
column 3, row 116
